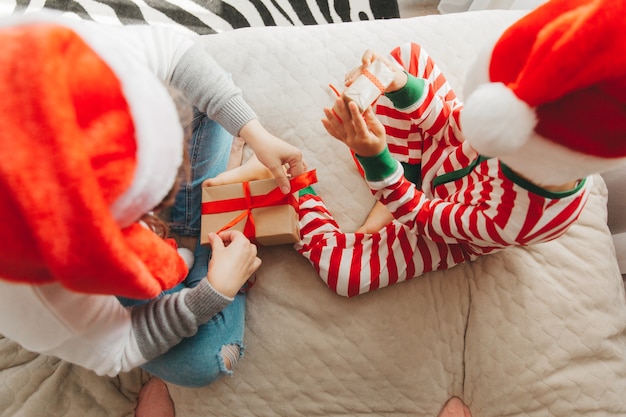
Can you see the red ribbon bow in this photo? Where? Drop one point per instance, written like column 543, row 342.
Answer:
column 275, row 197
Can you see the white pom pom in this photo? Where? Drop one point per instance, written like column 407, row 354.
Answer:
column 187, row 256
column 495, row 122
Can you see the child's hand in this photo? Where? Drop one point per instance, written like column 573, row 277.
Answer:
column 400, row 78
column 364, row 134
column 368, row 57
column 233, row 260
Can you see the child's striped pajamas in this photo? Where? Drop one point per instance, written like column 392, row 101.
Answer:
column 469, row 205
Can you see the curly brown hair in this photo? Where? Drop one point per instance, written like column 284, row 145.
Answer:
column 155, row 220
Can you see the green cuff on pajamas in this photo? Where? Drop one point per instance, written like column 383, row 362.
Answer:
column 378, row 167
column 408, row 95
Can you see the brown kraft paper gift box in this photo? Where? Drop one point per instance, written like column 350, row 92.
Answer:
column 272, row 220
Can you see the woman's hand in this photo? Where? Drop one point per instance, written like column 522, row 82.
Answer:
column 281, row 158
column 364, row 134
column 233, row 260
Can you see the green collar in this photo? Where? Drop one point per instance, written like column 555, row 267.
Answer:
column 527, row 185
column 508, row 172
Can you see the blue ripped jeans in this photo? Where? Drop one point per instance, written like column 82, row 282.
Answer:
column 197, row 361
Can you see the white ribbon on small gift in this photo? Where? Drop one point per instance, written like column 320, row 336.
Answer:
column 370, row 85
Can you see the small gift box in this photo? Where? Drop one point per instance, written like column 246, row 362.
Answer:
column 370, row 85
column 258, row 209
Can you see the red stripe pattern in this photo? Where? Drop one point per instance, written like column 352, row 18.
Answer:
column 472, row 211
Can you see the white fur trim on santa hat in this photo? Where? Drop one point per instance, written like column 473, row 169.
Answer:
column 546, row 163
column 158, row 131
column 478, row 72
column 159, row 134
column 495, row 122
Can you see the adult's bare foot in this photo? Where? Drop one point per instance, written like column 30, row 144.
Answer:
column 250, row 170
column 455, row 408
column 154, row 400
column 236, row 153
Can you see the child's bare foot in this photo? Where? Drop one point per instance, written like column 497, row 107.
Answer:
column 455, row 408
column 236, row 153
column 250, row 170
column 154, row 400
column 377, row 218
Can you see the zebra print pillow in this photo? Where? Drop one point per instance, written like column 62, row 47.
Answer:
column 212, row 16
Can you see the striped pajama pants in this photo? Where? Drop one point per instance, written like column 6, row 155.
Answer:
column 356, row 263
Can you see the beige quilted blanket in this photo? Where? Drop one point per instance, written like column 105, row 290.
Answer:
column 526, row 332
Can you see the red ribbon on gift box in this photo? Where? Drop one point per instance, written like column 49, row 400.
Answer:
column 248, row 202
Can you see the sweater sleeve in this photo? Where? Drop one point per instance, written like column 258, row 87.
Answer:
column 161, row 324
column 183, row 62
column 211, row 89
column 180, row 60
column 96, row 331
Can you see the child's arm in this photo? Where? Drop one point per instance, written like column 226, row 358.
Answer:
column 364, row 134
column 440, row 220
column 490, row 211
column 427, row 98
column 418, row 90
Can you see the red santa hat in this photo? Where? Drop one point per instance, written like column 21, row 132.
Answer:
column 90, row 140
column 549, row 97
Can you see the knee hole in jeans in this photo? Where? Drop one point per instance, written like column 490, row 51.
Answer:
column 230, row 355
